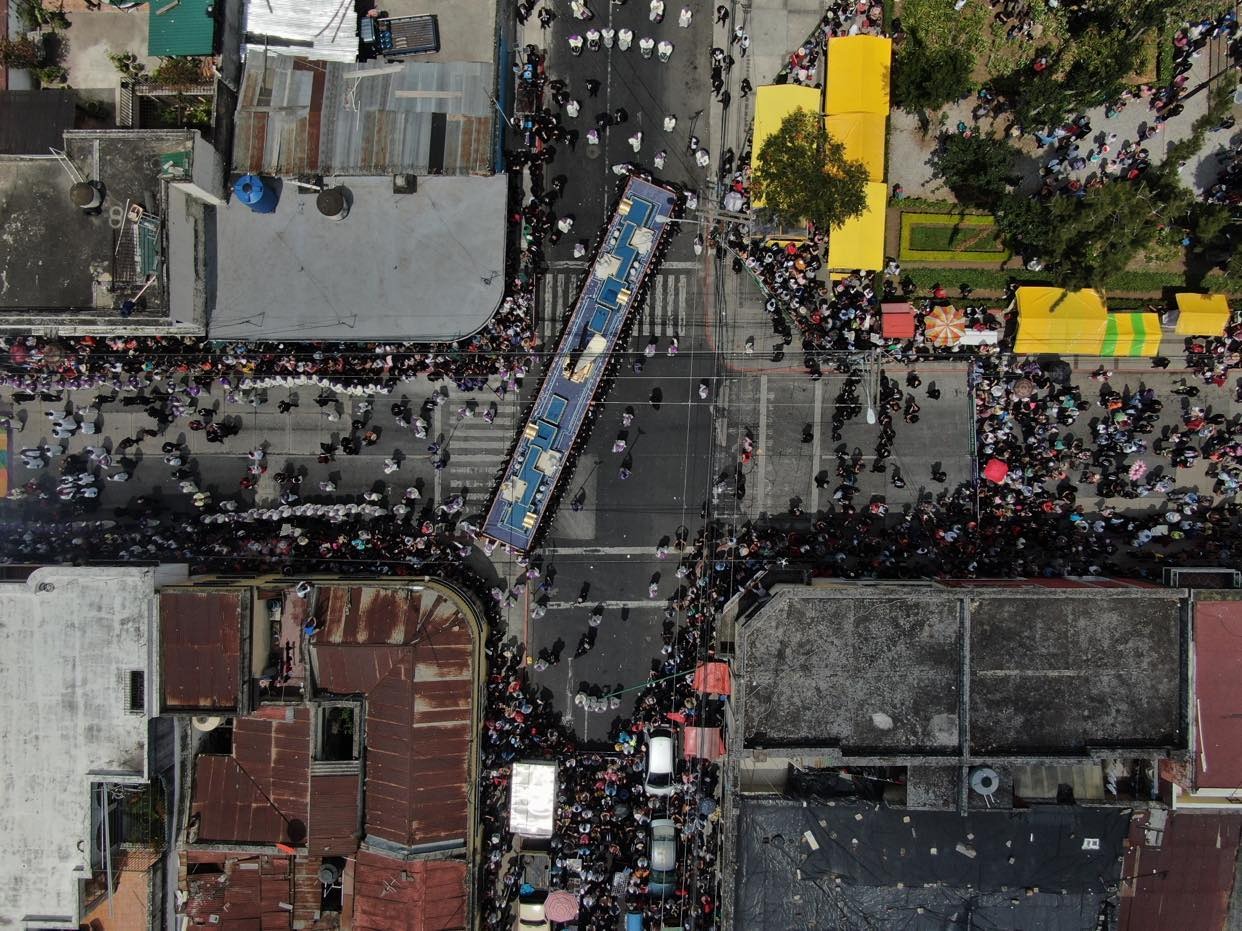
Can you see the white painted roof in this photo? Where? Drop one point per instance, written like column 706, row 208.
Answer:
column 68, row 651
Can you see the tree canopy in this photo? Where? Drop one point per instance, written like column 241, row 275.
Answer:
column 926, row 78
column 978, row 169
column 802, row 174
column 1086, row 240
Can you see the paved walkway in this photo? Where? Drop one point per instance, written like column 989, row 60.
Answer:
column 910, row 151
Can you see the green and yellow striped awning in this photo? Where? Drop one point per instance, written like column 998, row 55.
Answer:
column 1131, row 334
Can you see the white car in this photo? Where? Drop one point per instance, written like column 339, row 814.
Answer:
column 661, row 756
column 531, row 918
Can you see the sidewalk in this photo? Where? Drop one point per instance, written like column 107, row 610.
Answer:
column 910, row 151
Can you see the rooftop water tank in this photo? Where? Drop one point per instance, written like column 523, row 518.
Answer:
column 257, row 194
column 86, row 195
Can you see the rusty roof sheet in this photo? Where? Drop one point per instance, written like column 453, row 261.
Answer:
column 259, row 794
column 1183, row 872
column 245, row 896
column 296, row 115
column 334, row 814
column 230, row 806
column 200, row 649
column 416, row 895
column 1218, row 694
column 420, row 710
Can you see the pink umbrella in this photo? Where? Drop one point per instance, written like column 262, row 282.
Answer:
column 1138, row 470
column 560, row 906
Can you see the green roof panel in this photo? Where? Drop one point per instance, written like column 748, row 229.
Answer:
column 181, row 27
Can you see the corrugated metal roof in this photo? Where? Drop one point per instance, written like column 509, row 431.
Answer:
column 1218, row 694
column 420, row 709
column 230, row 806
column 328, row 27
column 333, row 815
column 296, row 116
column 261, row 793
column 1182, row 874
column 276, row 754
column 181, row 27
column 200, row 649
column 400, row 895
column 245, row 896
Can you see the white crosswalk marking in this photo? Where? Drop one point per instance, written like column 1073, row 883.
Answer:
column 478, row 449
column 672, row 301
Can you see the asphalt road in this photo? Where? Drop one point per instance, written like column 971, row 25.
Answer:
column 647, row 89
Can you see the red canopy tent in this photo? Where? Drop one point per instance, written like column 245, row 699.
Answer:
column 704, row 742
column 713, row 678
column 897, row 321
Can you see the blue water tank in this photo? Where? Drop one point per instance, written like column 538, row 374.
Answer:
column 257, row 194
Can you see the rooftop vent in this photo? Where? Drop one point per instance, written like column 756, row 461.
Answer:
column 985, row 781
column 333, row 203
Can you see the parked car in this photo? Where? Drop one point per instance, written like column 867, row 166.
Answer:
column 661, row 757
column 530, row 914
column 663, row 880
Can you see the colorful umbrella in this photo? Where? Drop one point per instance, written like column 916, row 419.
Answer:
column 560, row 906
column 944, row 326
column 1138, row 470
column 1023, row 388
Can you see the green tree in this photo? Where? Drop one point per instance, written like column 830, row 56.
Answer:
column 1023, row 223
column 978, row 169
column 925, row 78
column 803, row 175
column 1093, row 238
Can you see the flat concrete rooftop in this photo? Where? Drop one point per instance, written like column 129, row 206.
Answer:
column 56, row 260
column 425, row 266
column 883, row 671
column 70, row 639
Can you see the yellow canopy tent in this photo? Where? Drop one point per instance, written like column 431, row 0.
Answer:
column 862, row 134
column 774, row 102
column 1201, row 314
column 1132, row 334
column 1076, row 327
column 858, row 74
column 859, row 243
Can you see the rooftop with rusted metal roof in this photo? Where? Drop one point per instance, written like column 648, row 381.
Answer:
column 200, row 648
column 412, row 652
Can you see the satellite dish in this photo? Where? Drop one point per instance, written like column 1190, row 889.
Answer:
column 984, row 780
column 206, row 722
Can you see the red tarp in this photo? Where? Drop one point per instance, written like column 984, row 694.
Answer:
column 897, row 321
column 713, row 678
column 995, row 471
column 703, row 742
